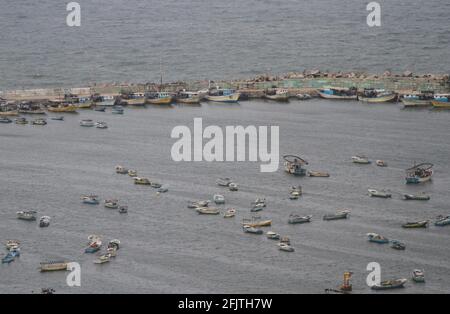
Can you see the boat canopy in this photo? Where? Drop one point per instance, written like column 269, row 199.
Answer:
column 295, row 159
column 423, row 166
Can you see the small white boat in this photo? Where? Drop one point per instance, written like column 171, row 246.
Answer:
column 380, row 194
column 285, row 247
column 207, row 211
column 112, row 204
column 121, row 170
column 295, row 192
column 132, row 173
column 142, row 181
column 123, row 209
column 233, row 187
column 87, row 123
column 44, row 221
column 39, row 122
column 381, row 163
column 90, row 199
column 361, row 159
column 303, row 96
column 252, row 230
column 223, row 181
column 196, row 204
column 219, row 199
column 273, row 235
column 114, row 244
column 418, row 276
column 297, row 219
column 230, row 213
column 29, row 215
column 103, row 259
column 101, row 125
column 318, row 174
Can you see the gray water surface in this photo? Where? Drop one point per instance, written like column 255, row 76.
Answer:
column 167, row 248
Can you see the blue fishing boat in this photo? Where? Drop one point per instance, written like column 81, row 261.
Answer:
column 90, row 200
column 294, row 165
column 376, row 238
column 339, row 93
column 419, row 173
column 442, row 221
column 8, row 258
column 117, row 110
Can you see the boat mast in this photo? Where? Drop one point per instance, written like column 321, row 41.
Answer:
column 161, row 74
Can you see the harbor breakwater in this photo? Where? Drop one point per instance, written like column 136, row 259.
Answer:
column 306, row 82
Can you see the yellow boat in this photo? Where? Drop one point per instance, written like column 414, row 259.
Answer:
column 135, row 102
column 86, row 105
column 255, row 224
column 440, row 104
column 161, row 99
column 67, row 109
column 9, row 113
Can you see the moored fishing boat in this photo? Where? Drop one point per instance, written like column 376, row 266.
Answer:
column 418, row 100
column 318, row 174
column 342, row 214
column 90, row 200
column 397, row 245
column 294, row 165
column 21, row 121
column 371, row 95
column 136, row 101
column 338, row 93
column 416, row 224
column 361, row 159
column 233, row 187
column 219, row 199
column 63, row 109
column 285, row 247
column 87, row 123
column 440, row 104
column 277, row 95
column 390, row 284
column 94, row 246
column 9, row 113
column 121, row 170
column 5, row 120
column 112, row 204
column 303, row 96
column 30, row 108
column 223, row 95
column 53, row 266
column 252, row 230
column 102, row 259
column 132, row 173
column 39, row 122
column 298, row 219
column 207, row 211
column 123, row 209
column 223, row 181
column 29, row 215
column 196, row 204
column 295, row 192
column 417, row 197
column 185, row 97
column 419, row 173
column 44, row 221
column 101, row 125
column 160, row 98
column 442, row 221
column 379, row 193
column 142, row 181
column 230, row 213
column 381, row 163
column 117, row 110
column 256, row 222
column 376, row 238
column 418, row 276
column 273, row 235
column 8, row 258
column 59, row 118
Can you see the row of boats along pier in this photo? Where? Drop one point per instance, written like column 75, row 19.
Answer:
column 71, row 103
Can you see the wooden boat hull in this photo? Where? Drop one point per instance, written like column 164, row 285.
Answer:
column 68, row 109
column 336, row 97
column 135, row 102
column 47, row 267
column 226, row 99
column 264, row 223
column 415, row 103
column 193, row 100
column 9, row 113
column 160, row 101
column 280, row 97
column 419, row 224
column 87, row 105
column 39, row 112
column 390, row 285
column 382, row 99
column 318, row 174
column 440, row 104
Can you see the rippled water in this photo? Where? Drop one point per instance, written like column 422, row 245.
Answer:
column 167, row 248
column 215, row 39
